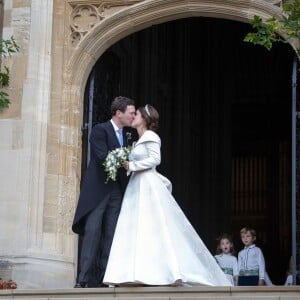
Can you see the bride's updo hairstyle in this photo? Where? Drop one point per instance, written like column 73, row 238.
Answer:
column 150, row 115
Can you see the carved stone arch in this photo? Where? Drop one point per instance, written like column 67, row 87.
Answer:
column 146, row 13
column 132, row 19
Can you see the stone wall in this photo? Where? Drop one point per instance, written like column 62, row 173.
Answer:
column 30, row 239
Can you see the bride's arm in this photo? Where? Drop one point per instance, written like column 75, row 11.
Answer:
column 153, row 159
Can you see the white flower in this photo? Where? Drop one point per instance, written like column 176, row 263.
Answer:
column 128, row 136
column 114, row 160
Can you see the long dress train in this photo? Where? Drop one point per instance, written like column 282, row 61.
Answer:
column 154, row 243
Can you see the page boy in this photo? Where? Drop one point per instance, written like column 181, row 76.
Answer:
column 251, row 262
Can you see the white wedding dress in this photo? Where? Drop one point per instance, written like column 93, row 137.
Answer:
column 154, row 243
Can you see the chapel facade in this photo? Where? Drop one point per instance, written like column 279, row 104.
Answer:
column 43, row 153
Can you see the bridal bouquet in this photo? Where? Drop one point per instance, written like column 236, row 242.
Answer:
column 114, row 160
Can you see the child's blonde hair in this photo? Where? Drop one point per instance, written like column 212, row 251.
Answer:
column 248, row 229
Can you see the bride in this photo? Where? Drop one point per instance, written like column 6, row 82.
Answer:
column 154, row 243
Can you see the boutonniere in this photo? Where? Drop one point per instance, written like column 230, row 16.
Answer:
column 128, row 137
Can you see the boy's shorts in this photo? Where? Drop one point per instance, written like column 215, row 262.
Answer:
column 248, row 280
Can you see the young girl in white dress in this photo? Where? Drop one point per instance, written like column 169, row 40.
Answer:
column 226, row 259
column 154, row 243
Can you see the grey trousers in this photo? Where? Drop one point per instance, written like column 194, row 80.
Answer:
column 98, row 232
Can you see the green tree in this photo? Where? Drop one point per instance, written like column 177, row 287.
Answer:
column 7, row 47
column 266, row 32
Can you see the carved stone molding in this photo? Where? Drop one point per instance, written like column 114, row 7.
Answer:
column 86, row 14
column 275, row 2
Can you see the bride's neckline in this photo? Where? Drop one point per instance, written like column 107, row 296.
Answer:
column 143, row 133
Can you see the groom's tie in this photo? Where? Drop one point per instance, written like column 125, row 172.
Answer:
column 120, row 136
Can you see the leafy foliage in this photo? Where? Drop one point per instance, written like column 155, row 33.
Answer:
column 266, row 33
column 291, row 22
column 7, row 47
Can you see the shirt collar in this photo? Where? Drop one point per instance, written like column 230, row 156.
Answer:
column 250, row 247
column 114, row 125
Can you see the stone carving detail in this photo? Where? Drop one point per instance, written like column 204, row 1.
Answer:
column 275, row 2
column 84, row 18
column 86, row 14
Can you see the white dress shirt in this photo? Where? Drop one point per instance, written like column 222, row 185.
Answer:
column 116, row 128
column 251, row 258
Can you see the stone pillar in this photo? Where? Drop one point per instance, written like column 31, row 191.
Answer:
column 30, row 242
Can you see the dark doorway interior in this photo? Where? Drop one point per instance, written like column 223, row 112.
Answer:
column 225, row 110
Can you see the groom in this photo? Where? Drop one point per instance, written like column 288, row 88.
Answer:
column 99, row 203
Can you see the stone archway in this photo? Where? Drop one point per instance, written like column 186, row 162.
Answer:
column 128, row 20
column 106, row 32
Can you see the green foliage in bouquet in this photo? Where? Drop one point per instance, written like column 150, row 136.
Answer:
column 114, row 160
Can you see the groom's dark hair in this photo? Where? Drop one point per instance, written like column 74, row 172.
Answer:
column 120, row 103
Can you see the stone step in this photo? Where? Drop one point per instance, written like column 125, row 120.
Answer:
column 159, row 293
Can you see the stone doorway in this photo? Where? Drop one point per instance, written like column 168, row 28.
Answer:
column 227, row 124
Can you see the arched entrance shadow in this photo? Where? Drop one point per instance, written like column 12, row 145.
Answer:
column 225, row 126
column 127, row 21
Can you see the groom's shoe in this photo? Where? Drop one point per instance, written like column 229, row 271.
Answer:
column 102, row 285
column 80, row 285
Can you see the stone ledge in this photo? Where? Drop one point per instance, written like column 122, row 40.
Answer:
column 201, row 292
